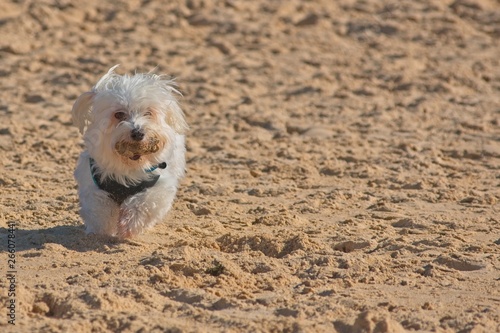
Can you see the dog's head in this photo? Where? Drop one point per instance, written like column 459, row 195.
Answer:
column 128, row 121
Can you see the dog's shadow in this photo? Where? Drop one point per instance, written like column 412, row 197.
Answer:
column 71, row 237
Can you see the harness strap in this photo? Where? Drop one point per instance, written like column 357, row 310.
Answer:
column 119, row 192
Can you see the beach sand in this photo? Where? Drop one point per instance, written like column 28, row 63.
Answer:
column 343, row 167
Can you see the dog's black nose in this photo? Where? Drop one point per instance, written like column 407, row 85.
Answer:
column 137, row 134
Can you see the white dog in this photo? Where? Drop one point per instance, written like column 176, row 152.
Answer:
column 133, row 130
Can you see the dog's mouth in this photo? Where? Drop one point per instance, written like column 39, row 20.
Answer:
column 134, row 150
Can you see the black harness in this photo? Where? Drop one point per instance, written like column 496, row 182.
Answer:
column 119, row 192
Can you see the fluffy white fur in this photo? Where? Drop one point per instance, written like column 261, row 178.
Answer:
column 146, row 102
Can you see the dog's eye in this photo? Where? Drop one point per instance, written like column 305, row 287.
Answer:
column 148, row 114
column 120, row 115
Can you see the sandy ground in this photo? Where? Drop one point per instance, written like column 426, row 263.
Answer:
column 343, row 167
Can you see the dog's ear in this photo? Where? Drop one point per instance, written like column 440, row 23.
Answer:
column 175, row 118
column 174, row 114
column 81, row 110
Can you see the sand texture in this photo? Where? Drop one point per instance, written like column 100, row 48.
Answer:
column 343, row 167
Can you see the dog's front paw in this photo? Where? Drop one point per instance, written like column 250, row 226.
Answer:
column 123, row 232
column 128, row 224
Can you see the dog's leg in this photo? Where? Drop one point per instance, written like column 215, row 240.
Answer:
column 144, row 210
column 99, row 213
column 124, row 217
